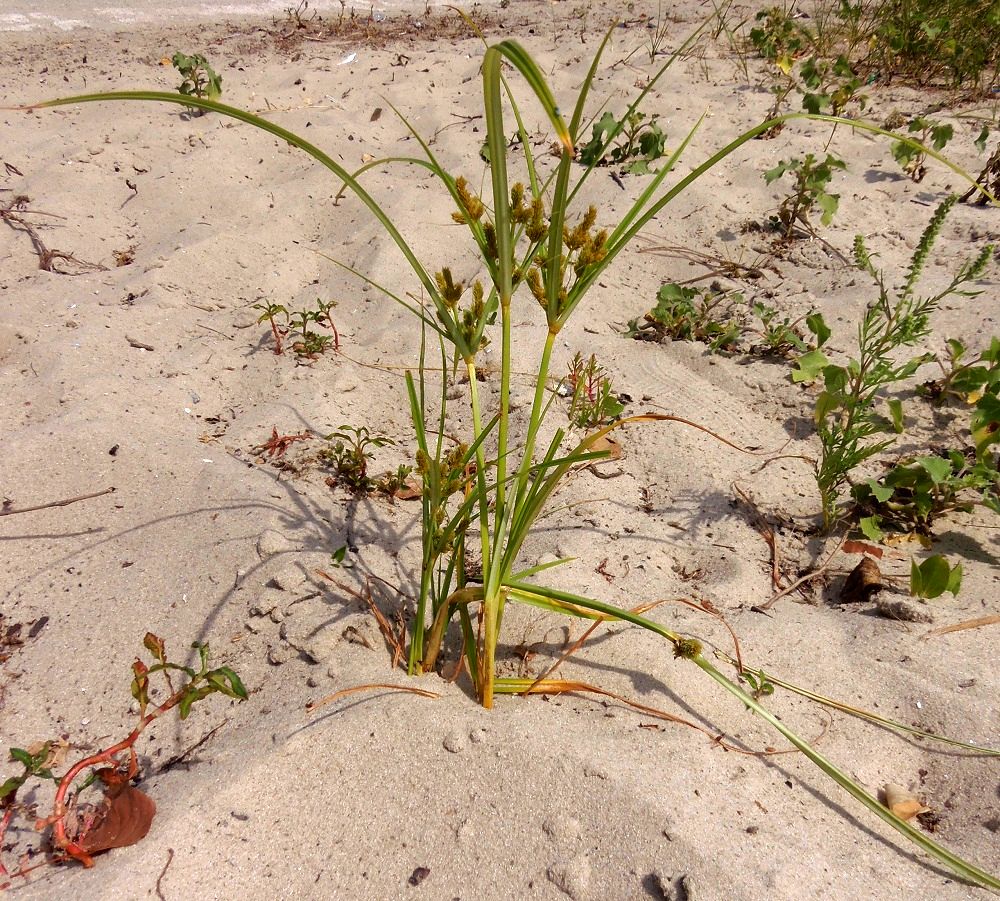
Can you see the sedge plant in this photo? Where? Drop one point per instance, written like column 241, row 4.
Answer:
column 483, row 494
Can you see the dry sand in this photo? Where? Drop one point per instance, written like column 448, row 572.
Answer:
column 204, row 539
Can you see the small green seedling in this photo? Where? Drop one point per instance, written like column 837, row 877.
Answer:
column 812, row 178
column 338, row 559
column 307, row 343
column 934, row 577
column 631, row 143
column 311, row 344
column 592, row 400
column 780, row 335
column 269, row 312
column 928, row 133
column 760, row 685
column 199, row 78
column 683, row 313
column 350, row 453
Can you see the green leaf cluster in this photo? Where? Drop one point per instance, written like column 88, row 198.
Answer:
column 686, row 313
column 811, row 177
column 912, row 495
column 199, row 78
column 636, row 142
column 934, row 577
column 937, row 40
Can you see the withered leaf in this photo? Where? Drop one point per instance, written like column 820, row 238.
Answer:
column 411, row 489
column 604, row 443
column 419, row 875
column 903, row 802
column 123, row 819
column 862, row 547
column 864, row 581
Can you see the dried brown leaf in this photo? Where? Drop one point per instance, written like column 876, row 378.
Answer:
column 123, row 819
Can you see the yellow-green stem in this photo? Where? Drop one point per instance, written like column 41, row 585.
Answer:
column 505, row 360
column 494, row 576
column 477, row 425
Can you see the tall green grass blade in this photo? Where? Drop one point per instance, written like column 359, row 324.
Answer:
column 963, row 868
column 279, row 132
column 873, row 717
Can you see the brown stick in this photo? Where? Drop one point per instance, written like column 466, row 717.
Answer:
column 10, row 511
column 163, row 872
column 808, row 577
column 46, row 257
column 767, row 533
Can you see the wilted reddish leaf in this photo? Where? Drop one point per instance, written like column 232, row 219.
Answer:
column 410, row 490
column 123, row 819
column 861, row 547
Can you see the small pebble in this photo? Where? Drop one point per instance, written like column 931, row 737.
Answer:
column 571, row 876
column 271, row 542
column 454, row 742
column 278, row 654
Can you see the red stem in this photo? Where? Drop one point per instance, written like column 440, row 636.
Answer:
column 336, row 335
column 4, row 823
column 277, row 336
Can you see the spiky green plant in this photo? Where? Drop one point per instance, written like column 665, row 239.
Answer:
column 492, row 488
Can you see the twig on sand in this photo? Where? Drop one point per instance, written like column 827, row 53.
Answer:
column 760, row 523
column 802, row 580
column 163, row 872
column 13, row 215
column 7, row 510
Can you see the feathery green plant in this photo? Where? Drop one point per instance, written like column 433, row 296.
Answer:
column 490, row 490
column 846, row 413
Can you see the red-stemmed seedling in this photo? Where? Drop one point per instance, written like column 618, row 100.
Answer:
column 124, row 814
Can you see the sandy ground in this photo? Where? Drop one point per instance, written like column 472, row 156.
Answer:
column 155, row 378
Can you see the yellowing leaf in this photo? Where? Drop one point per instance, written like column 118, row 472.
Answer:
column 903, row 802
column 604, row 443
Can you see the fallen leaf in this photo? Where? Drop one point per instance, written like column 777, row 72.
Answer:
column 901, row 539
column 165, row 61
column 604, row 443
column 860, row 547
column 123, row 818
column 864, row 581
column 419, row 875
column 903, row 802
column 410, row 490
